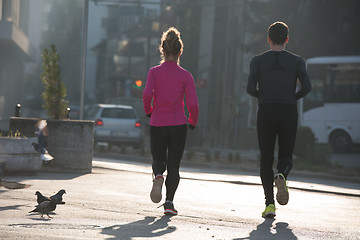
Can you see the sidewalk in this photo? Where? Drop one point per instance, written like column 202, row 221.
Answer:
column 305, row 181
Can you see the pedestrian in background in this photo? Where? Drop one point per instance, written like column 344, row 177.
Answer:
column 163, row 100
column 273, row 80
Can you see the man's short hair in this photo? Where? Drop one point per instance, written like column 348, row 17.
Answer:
column 278, row 33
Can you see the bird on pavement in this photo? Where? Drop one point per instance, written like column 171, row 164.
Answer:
column 45, row 207
column 58, row 196
column 41, row 198
column 41, row 145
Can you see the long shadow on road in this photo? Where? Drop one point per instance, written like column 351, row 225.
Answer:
column 146, row 228
column 265, row 230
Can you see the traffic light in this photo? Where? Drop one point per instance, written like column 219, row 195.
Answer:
column 137, row 87
column 138, row 83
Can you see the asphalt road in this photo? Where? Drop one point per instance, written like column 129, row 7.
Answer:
column 113, row 203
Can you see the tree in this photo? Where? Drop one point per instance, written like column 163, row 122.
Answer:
column 64, row 29
column 55, row 90
column 188, row 24
column 317, row 28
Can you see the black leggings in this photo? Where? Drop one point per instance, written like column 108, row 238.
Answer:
column 275, row 120
column 167, row 147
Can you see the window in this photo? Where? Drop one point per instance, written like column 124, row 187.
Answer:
column 118, row 113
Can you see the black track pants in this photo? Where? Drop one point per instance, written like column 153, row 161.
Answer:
column 167, row 148
column 275, row 120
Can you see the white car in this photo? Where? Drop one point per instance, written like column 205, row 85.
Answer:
column 116, row 125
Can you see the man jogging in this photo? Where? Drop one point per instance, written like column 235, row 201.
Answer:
column 272, row 80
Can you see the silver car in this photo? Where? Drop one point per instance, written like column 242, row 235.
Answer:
column 116, row 125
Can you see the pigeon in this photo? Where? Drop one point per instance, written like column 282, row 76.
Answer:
column 41, row 198
column 45, row 207
column 9, row 184
column 41, row 145
column 58, row 196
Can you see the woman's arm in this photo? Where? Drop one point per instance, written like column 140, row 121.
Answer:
column 148, row 93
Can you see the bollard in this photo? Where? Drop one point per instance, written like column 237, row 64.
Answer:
column 68, row 113
column 17, row 110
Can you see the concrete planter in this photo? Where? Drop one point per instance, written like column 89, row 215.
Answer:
column 70, row 142
column 19, row 154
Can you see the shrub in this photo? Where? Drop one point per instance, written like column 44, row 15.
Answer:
column 305, row 138
column 317, row 153
column 10, row 134
column 142, row 151
column 237, row 157
column 230, row 157
column 217, row 155
column 123, row 149
column 55, row 90
column 208, row 156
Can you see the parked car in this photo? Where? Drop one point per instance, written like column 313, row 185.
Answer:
column 116, row 125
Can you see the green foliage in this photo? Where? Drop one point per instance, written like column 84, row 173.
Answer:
column 188, row 23
column 10, row 134
column 317, row 153
column 237, row 157
column 310, row 154
column 123, row 149
column 230, row 157
column 208, row 156
column 305, row 138
column 142, row 151
column 64, row 21
column 304, row 22
column 217, row 155
column 55, row 91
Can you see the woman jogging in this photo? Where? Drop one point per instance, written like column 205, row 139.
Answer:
column 163, row 99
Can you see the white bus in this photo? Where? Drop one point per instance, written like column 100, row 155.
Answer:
column 332, row 108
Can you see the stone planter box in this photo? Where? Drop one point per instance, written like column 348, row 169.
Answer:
column 70, row 142
column 19, row 154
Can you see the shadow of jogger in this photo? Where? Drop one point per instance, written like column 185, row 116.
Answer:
column 265, row 230
column 146, row 228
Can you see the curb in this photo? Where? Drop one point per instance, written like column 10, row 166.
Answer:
column 212, row 165
column 298, row 184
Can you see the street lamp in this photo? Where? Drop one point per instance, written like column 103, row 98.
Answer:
column 83, row 58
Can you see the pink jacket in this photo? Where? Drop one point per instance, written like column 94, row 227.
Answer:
column 167, row 84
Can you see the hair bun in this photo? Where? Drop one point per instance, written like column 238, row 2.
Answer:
column 171, row 43
column 171, row 36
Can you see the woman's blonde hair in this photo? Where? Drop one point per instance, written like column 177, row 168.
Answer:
column 171, row 43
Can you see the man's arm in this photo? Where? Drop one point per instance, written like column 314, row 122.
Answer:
column 253, row 78
column 304, row 80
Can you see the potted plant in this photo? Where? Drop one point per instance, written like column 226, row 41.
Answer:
column 55, row 91
column 70, row 142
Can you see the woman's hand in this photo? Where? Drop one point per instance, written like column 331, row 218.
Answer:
column 191, row 127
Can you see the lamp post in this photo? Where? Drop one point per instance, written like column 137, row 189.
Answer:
column 83, row 57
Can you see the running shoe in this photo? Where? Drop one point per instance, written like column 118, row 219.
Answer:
column 282, row 195
column 169, row 209
column 269, row 211
column 155, row 193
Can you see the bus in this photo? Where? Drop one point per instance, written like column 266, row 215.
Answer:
column 332, row 108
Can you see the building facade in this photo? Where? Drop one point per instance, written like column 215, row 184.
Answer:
column 16, row 50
